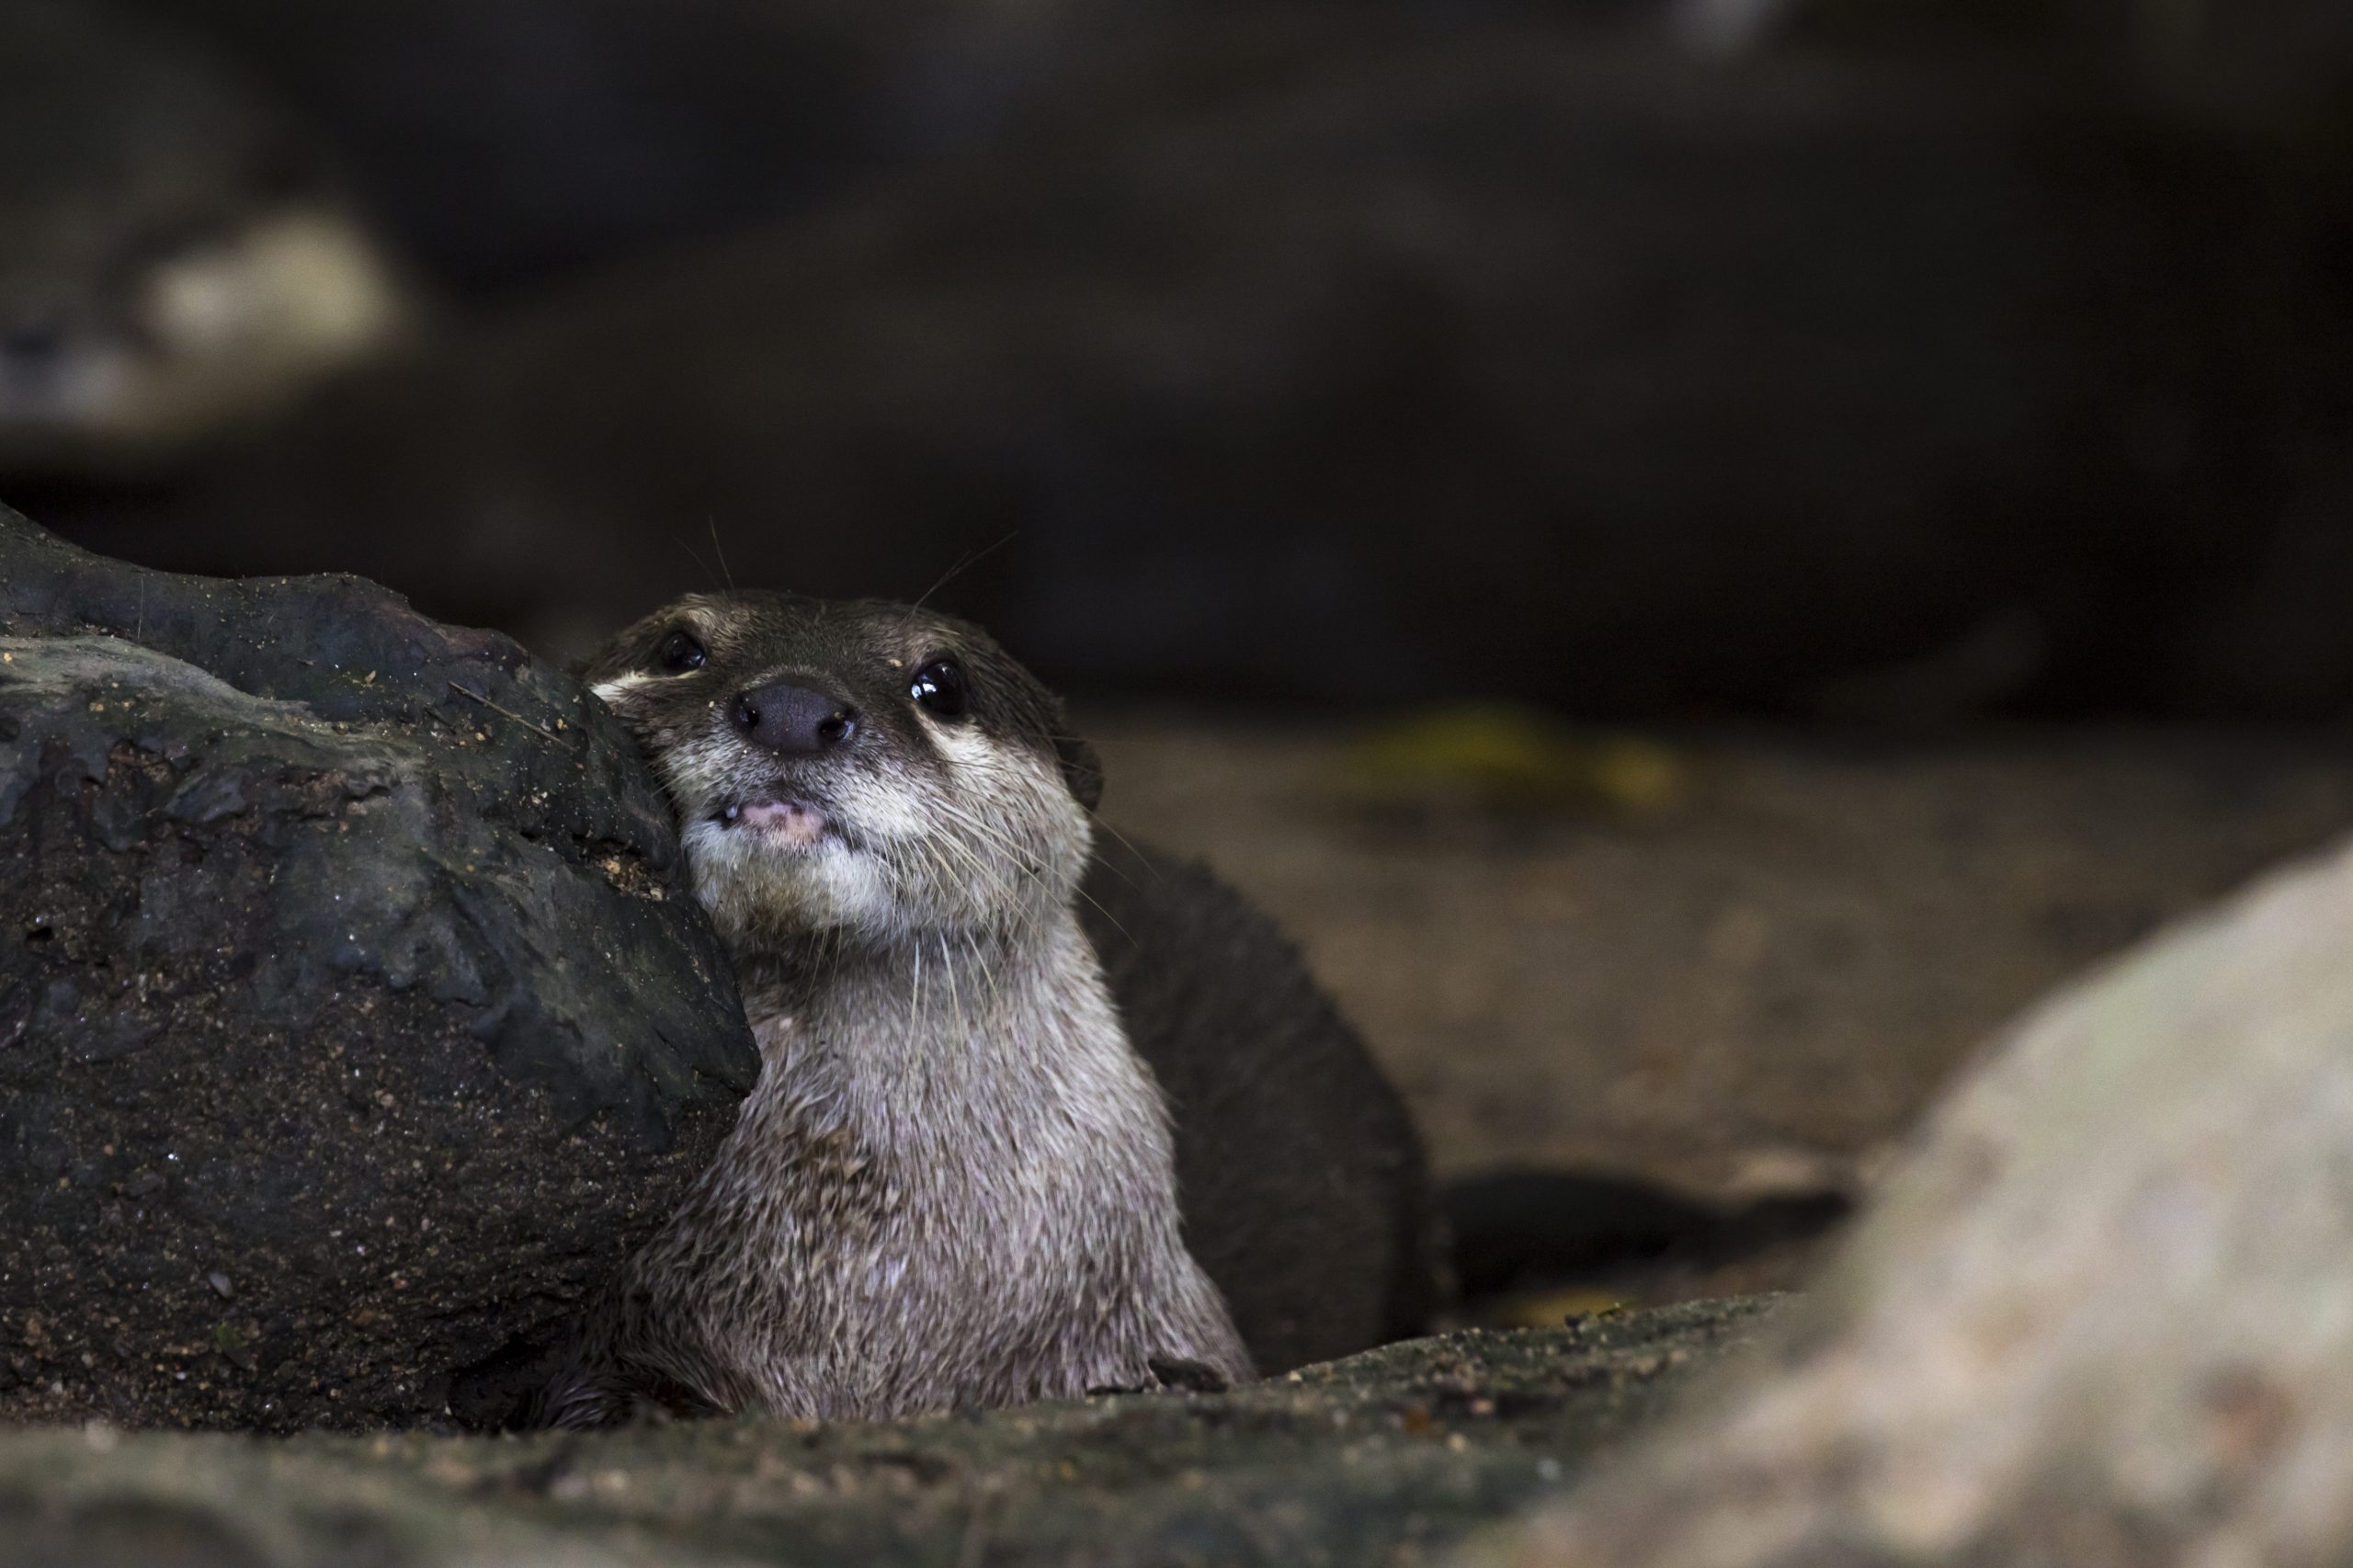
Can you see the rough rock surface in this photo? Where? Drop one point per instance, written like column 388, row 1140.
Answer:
column 351, row 1020
column 1385, row 1458
column 2098, row 1318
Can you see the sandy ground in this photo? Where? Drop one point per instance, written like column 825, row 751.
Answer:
column 1748, row 980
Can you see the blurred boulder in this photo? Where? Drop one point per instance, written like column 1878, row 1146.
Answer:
column 352, row 1017
column 177, row 256
column 2285, row 63
column 1548, row 364
column 510, row 140
column 2097, row 1317
column 515, row 141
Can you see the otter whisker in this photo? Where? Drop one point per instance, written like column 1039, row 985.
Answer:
column 955, row 1002
column 1026, row 910
column 970, row 559
column 947, row 1098
column 993, row 833
column 988, row 971
column 1129, row 845
column 915, row 994
column 716, row 548
column 1023, row 856
column 980, row 867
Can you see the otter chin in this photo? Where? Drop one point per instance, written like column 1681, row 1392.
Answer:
column 954, row 1184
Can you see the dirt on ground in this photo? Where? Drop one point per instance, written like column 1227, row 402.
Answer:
column 1736, row 963
column 1388, row 1458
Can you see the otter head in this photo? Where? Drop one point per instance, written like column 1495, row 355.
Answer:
column 859, row 772
column 175, row 260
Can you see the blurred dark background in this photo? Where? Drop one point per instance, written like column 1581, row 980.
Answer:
column 1874, row 358
column 1920, row 429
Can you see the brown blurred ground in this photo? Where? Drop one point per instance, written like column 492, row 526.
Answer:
column 1752, row 984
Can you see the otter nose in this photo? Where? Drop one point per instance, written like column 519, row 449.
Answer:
column 793, row 718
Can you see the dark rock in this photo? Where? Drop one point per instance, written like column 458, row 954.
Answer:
column 2280, row 62
column 644, row 121
column 649, row 123
column 1305, row 1193
column 1386, row 1459
column 346, row 968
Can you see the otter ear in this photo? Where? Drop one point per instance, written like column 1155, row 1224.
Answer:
column 1082, row 769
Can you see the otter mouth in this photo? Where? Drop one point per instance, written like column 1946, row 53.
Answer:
column 787, row 824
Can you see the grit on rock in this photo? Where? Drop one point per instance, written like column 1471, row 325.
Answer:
column 1385, row 1459
column 352, row 1022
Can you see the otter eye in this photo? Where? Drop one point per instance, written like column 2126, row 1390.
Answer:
column 940, row 687
column 680, row 652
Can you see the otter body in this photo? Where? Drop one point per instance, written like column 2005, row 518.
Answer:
column 954, row 1185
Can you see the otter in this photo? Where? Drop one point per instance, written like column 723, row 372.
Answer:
column 954, row 1184
column 178, row 261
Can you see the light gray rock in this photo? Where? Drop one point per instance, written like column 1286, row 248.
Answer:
column 2100, row 1316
